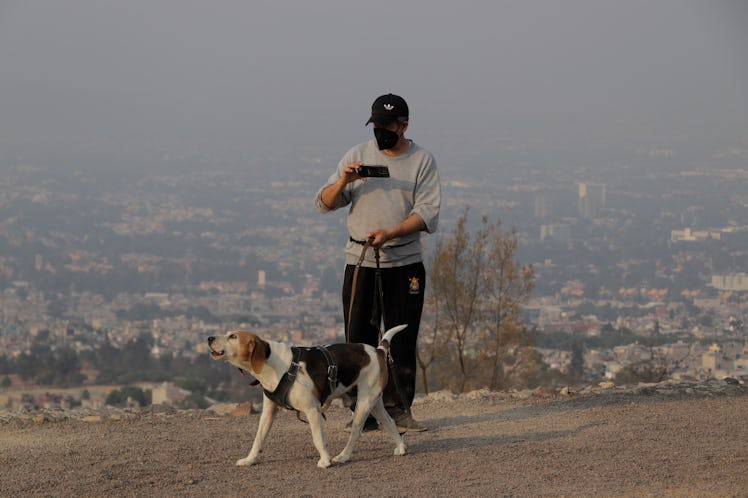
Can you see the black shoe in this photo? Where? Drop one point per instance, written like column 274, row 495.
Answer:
column 370, row 424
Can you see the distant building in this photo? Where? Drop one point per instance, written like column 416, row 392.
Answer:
column 556, row 231
column 612, row 368
column 167, row 394
column 233, row 287
column 544, row 205
column 261, row 279
column 731, row 234
column 100, row 319
column 688, row 235
column 730, row 282
column 591, row 199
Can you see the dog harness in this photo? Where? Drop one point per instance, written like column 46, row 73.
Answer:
column 280, row 395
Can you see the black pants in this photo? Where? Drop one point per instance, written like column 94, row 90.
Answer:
column 403, row 290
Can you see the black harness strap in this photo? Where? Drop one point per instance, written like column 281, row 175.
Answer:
column 280, row 395
column 332, row 369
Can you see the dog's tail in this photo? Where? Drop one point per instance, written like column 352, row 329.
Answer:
column 384, row 344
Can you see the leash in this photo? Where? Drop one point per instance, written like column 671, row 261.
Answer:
column 379, row 290
column 366, row 245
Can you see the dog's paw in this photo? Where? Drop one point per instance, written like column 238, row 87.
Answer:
column 323, row 463
column 342, row 458
column 400, row 450
column 245, row 462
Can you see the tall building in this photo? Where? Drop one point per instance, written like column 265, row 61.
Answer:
column 261, row 279
column 591, row 199
column 545, row 205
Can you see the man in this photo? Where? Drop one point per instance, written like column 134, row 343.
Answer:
column 390, row 213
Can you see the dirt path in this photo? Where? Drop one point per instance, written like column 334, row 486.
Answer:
column 628, row 443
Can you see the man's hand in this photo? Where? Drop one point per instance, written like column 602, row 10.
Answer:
column 350, row 173
column 378, row 237
column 412, row 224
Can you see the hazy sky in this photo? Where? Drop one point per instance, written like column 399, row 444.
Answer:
column 102, row 78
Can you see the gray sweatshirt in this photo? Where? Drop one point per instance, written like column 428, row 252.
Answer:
column 382, row 203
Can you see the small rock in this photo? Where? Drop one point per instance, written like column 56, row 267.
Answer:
column 242, row 410
column 565, row 391
column 223, row 408
column 606, row 385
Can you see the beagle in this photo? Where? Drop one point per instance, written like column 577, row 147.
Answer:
column 359, row 366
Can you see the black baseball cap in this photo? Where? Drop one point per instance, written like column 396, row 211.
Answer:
column 388, row 108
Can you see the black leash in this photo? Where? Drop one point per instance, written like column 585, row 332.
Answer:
column 376, row 314
column 379, row 289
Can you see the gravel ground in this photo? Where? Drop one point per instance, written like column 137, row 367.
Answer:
column 657, row 440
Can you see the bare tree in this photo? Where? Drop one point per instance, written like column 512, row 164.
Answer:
column 477, row 291
column 431, row 341
column 507, row 286
column 456, row 285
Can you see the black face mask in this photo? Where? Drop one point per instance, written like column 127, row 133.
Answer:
column 386, row 139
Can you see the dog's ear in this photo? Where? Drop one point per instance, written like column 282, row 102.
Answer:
column 259, row 351
column 244, row 345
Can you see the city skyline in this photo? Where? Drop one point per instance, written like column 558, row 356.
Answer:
column 155, row 167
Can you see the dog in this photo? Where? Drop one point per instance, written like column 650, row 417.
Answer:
column 311, row 386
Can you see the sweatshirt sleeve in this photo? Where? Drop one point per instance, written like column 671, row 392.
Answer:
column 428, row 196
column 345, row 197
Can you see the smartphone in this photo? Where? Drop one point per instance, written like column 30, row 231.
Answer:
column 376, row 171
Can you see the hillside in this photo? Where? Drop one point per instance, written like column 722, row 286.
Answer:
column 668, row 439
